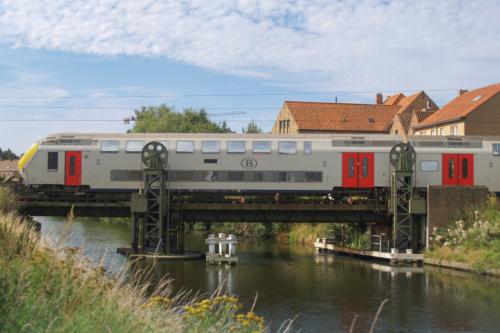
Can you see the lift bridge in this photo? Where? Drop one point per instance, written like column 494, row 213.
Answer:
column 158, row 213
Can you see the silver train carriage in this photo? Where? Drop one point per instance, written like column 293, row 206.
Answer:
column 257, row 162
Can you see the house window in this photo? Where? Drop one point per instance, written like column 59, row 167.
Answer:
column 441, row 131
column 454, row 130
column 432, row 132
column 52, row 162
column 288, row 126
column 287, row 147
column 396, row 132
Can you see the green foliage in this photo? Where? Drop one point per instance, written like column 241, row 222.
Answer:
column 474, row 239
column 165, row 119
column 7, row 155
column 252, row 128
column 44, row 288
column 8, row 200
column 245, row 230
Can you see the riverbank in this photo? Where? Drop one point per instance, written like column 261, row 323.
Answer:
column 470, row 243
column 46, row 287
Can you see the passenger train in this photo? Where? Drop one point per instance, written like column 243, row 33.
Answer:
column 257, row 162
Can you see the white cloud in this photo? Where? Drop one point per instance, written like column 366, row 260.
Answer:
column 352, row 45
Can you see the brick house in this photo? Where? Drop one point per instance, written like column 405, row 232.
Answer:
column 475, row 112
column 396, row 115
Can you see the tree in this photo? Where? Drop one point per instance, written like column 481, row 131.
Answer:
column 252, row 128
column 7, row 155
column 164, row 119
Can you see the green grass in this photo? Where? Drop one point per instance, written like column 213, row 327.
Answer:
column 474, row 240
column 47, row 288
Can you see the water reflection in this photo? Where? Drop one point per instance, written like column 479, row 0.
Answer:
column 324, row 290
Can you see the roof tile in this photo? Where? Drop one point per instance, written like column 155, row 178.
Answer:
column 342, row 116
column 461, row 106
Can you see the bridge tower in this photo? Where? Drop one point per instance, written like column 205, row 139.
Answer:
column 155, row 229
column 402, row 158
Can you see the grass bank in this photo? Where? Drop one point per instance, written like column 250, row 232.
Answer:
column 473, row 239
column 47, row 288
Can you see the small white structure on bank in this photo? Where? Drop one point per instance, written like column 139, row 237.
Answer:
column 221, row 249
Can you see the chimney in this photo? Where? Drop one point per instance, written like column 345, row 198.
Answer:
column 461, row 92
column 379, row 98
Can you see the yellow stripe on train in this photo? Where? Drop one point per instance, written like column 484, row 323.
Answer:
column 27, row 156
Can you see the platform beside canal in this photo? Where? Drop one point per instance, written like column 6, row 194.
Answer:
column 322, row 245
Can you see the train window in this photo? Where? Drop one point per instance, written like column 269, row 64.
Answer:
column 307, row 147
column 429, row 166
column 210, row 147
column 110, row 146
column 263, row 147
column 235, row 176
column 210, row 161
column 496, row 149
column 125, row 175
column 165, row 143
column 465, row 168
column 134, row 146
column 236, row 147
column 282, row 176
column 185, row 146
column 258, row 176
column 72, row 165
column 451, row 168
column 287, row 147
column 313, row 177
column 53, row 161
column 351, row 167
column 364, row 167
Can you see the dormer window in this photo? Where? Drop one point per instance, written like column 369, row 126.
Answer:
column 477, row 98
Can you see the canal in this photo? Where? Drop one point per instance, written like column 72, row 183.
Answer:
column 322, row 292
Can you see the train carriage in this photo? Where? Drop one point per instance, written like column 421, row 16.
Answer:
column 257, row 163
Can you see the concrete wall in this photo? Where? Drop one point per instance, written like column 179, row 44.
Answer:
column 447, row 203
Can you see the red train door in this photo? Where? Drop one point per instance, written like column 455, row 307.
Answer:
column 73, row 168
column 466, row 169
column 366, row 173
column 450, row 169
column 357, row 170
column 458, row 169
column 350, row 170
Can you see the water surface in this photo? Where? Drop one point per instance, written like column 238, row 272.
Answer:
column 322, row 291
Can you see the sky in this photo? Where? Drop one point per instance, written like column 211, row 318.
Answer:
column 84, row 65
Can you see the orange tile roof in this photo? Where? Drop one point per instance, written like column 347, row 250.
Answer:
column 421, row 115
column 394, row 99
column 342, row 116
column 461, row 106
column 407, row 101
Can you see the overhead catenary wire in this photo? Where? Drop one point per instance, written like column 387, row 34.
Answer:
column 319, row 92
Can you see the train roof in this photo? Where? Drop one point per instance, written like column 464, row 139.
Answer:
column 227, row 136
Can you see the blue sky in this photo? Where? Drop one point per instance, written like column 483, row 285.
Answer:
column 99, row 49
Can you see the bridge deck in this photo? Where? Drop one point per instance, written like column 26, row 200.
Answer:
column 208, row 207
